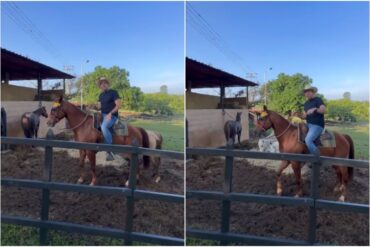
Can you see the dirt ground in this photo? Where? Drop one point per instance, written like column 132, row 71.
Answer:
column 109, row 211
column 259, row 176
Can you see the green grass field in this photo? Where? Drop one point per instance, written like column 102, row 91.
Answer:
column 172, row 131
column 360, row 136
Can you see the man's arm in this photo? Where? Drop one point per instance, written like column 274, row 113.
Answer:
column 116, row 108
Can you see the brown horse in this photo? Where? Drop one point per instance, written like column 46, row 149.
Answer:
column 82, row 125
column 287, row 136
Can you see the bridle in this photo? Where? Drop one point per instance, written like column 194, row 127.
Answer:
column 75, row 127
column 264, row 129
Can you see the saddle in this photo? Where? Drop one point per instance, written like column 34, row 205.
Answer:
column 119, row 128
column 326, row 139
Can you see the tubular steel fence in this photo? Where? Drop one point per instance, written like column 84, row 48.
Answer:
column 313, row 202
column 131, row 193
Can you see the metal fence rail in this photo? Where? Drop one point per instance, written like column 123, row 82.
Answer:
column 130, row 193
column 313, row 202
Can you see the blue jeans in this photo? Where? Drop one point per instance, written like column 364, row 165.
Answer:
column 314, row 131
column 105, row 126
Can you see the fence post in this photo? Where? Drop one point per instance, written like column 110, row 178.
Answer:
column 227, row 188
column 315, row 176
column 46, row 176
column 134, row 163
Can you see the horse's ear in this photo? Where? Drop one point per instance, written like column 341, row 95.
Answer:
column 60, row 98
column 265, row 108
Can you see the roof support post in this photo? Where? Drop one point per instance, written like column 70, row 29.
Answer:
column 222, row 96
column 247, row 96
column 7, row 76
column 39, row 89
column 64, row 86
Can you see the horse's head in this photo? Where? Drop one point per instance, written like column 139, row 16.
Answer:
column 56, row 113
column 263, row 121
column 44, row 112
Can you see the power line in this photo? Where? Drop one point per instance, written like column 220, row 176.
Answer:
column 202, row 26
column 16, row 14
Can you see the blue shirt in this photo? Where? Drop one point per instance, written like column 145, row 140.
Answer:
column 314, row 118
column 107, row 101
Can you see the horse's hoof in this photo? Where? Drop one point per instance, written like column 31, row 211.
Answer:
column 92, row 184
column 297, row 195
column 279, row 192
column 341, row 199
column 157, row 179
column 80, row 180
column 126, row 184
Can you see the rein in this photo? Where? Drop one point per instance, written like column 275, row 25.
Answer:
column 78, row 125
column 284, row 130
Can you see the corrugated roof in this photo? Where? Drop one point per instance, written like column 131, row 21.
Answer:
column 200, row 75
column 19, row 67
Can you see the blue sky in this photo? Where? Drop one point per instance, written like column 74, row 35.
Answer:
column 328, row 41
column 145, row 38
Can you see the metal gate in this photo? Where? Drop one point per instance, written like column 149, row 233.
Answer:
column 313, row 202
column 131, row 193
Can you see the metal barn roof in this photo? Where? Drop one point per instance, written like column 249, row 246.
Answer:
column 17, row 67
column 200, row 75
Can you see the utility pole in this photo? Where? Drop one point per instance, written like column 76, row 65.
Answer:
column 252, row 76
column 81, row 85
column 265, row 76
column 67, row 88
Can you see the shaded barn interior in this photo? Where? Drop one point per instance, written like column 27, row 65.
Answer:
column 207, row 114
column 19, row 99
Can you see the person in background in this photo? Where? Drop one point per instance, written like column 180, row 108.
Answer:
column 109, row 103
column 314, row 110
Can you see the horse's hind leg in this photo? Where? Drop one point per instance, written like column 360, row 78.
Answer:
column 297, row 173
column 156, row 162
column 279, row 188
column 343, row 187
column 82, row 163
column 92, row 158
column 339, row 178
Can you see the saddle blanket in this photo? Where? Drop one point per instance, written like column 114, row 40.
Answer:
column 326, row 139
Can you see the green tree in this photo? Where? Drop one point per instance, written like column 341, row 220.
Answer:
column 286, row 92
column 347, row 95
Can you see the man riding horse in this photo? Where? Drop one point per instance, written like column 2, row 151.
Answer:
column 314, row 112
column 109, row 103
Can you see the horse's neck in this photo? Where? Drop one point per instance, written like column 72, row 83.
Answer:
column 74, row 115
column 279, row 124
column 37, row 112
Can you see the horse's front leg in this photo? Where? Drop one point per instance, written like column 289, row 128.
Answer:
column 82, row 163
column 92, row 158
column 239, row 134
column 279, row 188
column 297, row 173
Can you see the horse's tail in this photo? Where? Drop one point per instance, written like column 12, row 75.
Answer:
column 146, row 144
column 159, row 142
column 351, row 154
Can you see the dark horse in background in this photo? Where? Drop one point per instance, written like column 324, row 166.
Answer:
column 82, row 125
column 30, row 122
column 287, row 136
column 233, row 128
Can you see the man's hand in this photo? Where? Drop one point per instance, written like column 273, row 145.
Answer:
column 310, row 111
column 108, row 116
